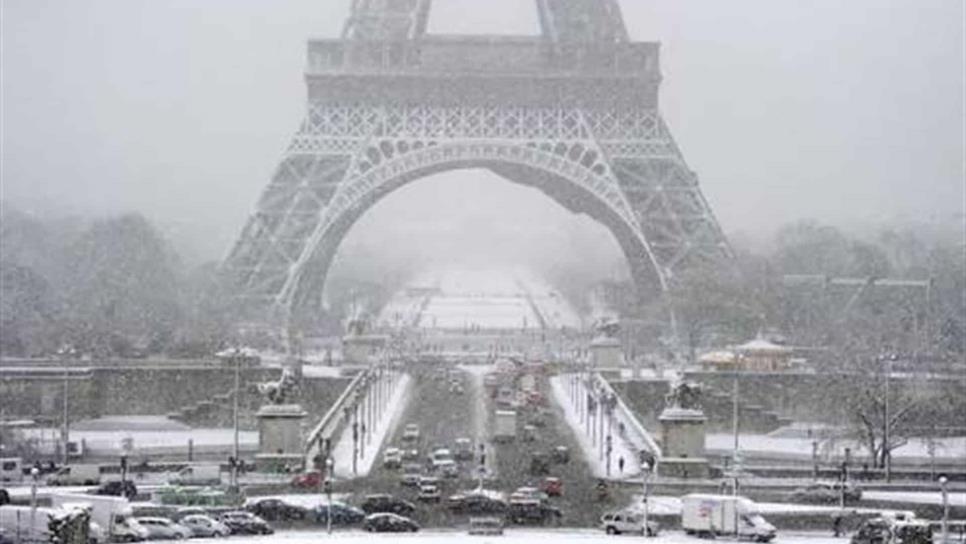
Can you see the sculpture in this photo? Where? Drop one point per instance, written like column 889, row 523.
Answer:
column 278, row 392
column 684, row 395
column 608, row 327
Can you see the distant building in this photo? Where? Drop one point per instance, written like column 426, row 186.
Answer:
column 758, row 355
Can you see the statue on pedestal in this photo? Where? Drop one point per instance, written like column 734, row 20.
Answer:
column 683, row 395
column 279, row 391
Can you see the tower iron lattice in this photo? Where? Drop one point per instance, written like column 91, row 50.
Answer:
column 572, row 111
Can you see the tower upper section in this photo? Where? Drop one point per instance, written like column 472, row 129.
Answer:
column 583, row 55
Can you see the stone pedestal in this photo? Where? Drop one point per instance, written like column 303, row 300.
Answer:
column 360, row 348
column 280, row 441
column 682, row 439
column 605, row 352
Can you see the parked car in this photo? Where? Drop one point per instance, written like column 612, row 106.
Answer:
column 307, row 480
column 561, row 455
column 627, row 521
column 825, row 493
column 411, row 432
column 342, row 513
column 392, row 458
column 387, row 503
column 164, row 529
column 118, row 488
column 245, row 523
column 276, row 510
column 447, row 468
column 409, row 455
column 202, row 525
column 389, row 523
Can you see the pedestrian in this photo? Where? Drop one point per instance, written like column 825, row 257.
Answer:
column 837, row 524
column 620, row 464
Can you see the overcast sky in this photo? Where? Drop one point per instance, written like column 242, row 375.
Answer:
column 844, row 111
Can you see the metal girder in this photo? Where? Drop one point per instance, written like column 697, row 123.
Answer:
column 581, row 21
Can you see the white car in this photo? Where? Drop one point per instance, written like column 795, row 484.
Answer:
column 625, row 521
column 202, row 525
column 392, row 458
column 164, row 529
column 411, row 432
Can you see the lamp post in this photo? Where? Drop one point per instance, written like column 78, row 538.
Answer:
column 64, row 354
column 945, row 524
column 235, row 358
column 645, row 473
column 34, row 479
column 328, row 492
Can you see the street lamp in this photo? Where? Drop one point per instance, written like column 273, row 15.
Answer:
column 945, row 526
column 328, row 492
column 645, row 473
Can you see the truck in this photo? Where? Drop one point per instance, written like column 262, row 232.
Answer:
column 713, row 515
column 505, row 428
column 113, row 515
column 198, row 474
column 44, row 524
column 77, row 474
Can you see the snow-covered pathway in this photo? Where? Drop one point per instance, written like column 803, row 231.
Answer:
column 590, row 449
column 387, row 421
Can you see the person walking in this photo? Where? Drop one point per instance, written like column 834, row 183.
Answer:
column 620, row 464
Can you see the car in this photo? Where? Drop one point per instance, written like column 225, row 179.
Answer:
column 528, row 493
column 380, row 503
column 627, row 521
column 411, row 474
column 389, row 523
column 164, row 529
column 532, row 511
column 118, row 488
column 456, row 388
column 825, row 493
column 486, row 526
column 241, row 522
column 553, row 487
column 464, row 449
column 561, row 455
column 202, row 525
column 307, row 480
column 276, row 510
column 342, row 513
column 477, row 502
column 429, row 493
column 439, row 455
column 410, row 455
column 411, row 432
column 447, row 468
column 392, row 458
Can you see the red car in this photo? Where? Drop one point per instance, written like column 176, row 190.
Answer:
column 307, row 480
column 553, row 487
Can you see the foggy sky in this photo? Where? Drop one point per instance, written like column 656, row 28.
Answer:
column 844, row 111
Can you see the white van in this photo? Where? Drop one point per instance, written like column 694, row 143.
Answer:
column 26, row 524
column 113, row 515
column 200, row 474
column 712, row 515
column 11, row 470
column 76, row 475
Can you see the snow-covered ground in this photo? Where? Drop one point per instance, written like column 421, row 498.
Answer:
column 915, row 497
column 109, row 442
column 484, row 299
column 510, row 536
column 947, row 449
column 560, row 387
column 389, row 418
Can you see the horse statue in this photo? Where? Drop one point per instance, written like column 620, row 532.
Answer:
column 278, row 392
column 684, row 395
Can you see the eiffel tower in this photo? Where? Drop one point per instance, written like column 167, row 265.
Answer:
column 572, row 112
